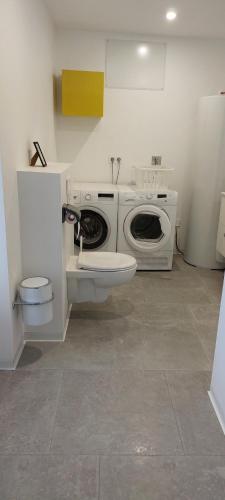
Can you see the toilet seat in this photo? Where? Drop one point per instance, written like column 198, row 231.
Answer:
column 105, row 261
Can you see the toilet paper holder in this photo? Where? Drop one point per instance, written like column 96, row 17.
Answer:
column 35, row 292
column 19, row 302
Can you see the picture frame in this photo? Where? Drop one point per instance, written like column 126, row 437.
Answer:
column 38, row 154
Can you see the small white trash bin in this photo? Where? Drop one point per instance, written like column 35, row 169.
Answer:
column 36, row 298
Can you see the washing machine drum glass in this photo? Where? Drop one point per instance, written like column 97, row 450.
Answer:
column 147, row 228
column 94, row 230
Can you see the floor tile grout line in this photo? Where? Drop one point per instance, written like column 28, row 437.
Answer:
column 99, row 477
column 175, row 413
column 156, row 370
column 97, row 455
column 55, row 412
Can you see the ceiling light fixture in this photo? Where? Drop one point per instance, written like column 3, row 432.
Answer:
column 171, row 15
column 143, row 50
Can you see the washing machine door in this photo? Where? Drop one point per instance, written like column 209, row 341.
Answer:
column 147, row 228
column 95, row 229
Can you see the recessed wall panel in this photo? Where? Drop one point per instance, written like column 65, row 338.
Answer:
column 135, row 64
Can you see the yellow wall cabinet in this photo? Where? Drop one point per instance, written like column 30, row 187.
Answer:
column 82, row 93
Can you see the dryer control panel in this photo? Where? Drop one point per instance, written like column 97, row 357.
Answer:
column 138, row 197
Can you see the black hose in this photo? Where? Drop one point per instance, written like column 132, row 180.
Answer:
column 177, row 245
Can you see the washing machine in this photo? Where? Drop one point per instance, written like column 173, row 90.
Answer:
column 98, row 204
column 146, row 227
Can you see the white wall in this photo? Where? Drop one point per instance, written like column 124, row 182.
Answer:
column 26, row 103
column 5, row 303
column 217, row 389
column 137, row 124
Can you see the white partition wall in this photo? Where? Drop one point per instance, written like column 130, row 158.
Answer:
column 217, row 389
column 208, row 182
column 46, row 243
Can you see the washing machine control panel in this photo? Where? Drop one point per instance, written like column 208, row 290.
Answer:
column 95, row 197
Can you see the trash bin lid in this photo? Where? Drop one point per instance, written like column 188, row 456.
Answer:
column 35, row 282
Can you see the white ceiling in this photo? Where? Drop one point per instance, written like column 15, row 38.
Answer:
column 201, row 18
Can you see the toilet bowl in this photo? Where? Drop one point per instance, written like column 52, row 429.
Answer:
column 91, row 275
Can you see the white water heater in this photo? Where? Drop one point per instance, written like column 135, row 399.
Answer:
column 208, row 182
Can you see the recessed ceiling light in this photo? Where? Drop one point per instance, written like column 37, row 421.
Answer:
column 171, row 15
column 143, row 50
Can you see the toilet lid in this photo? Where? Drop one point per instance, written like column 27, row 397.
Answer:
column 105, row 261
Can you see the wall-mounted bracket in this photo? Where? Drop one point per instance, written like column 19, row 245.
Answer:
column 19, row 302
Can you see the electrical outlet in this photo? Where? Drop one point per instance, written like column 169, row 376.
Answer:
column 157, row 160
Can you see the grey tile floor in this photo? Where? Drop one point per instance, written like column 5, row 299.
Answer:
column 120, row 410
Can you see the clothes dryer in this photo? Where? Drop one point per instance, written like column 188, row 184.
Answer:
column 146, row 227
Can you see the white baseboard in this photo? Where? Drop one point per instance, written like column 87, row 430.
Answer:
column 43, row 337
column 12, row 366
column 217, row 411
column 18, row 354
column 51, row 337
column 67, row 321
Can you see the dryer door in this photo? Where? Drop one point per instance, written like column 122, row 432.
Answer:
column 95, row 228
column 147, row 228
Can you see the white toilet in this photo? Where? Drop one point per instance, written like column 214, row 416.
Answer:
column 90, row 275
